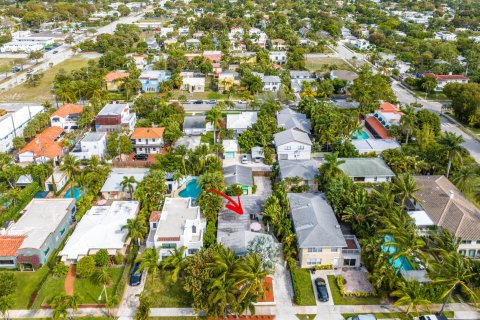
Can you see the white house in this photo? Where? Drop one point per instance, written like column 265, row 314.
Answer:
column 278, row 57
column 270, row 83
column 192, row 83
column 444, row 79
column 361, row 44
column 44, row 147
column 298, row 77
column 147, row 140
column 372, row 170
column 445, row 36
column 56, row 181
column 230, row 149
column 293, row 144
column 241, row 121
column 112, row 188
column 178, row 224
column 374, row 145
column 196, row 125
column 12, row 125
column 92, row 144
column 66, row 116
column 115, row 117
column 100, row 228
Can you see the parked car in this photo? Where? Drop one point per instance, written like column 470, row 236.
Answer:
column 438, row 316
column 140, row 156
column 29, row 70
column 244, row 159
column 363, row 317
column 321, row 289
column 135, row 276
column 198, row 102
column 16, row 69
column 55, row 51
column 212, row 101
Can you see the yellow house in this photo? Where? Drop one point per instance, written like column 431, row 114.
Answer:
column 114, row 79
column 227, row 80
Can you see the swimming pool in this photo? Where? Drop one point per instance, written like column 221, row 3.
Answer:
column 192, row 190
column 41, row 194
column 360, row 135
column 76, row 193
column 400, row 261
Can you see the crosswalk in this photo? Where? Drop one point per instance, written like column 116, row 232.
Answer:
column 448, row 125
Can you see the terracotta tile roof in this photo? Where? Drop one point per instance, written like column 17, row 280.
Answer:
column 387, row 107
column 256, row 317
column 115, row 76
column 446, row 77
column 44, row 144
column 168, row 239
column 67, row 109
column 155, row 216
column 376, row 126
column 10, row 244
column 150, row 133
column 447, row 207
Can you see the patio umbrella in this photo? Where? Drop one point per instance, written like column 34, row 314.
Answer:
column 255, row 226
column 101, row 202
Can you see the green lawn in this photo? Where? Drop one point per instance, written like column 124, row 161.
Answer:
column 391, row 315
column 306, row 316
column 305, row 287
column 207, row 138
column 42, row 92
column 27, row 284
column 322, row 64
column 6, row 64
column 431, row 96
column 89, row 290
column 339, row 299
column 165, row 293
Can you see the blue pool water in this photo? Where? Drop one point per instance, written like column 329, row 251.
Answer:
column 360, row 135
column 192, row 190
column 76, row 193
column 41, row 194
column 401, row 261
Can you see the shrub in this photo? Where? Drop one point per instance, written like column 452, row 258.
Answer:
column 102, row 258
column 86, row 267
column 324, row 267
column 60, row 270
column 119, row 258
column 254, row 188
column 341, row 285
column 210, row 235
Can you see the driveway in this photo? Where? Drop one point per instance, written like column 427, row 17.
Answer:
column 260, row 166
column 264, row 186
column 322, row 274
column 130, row 300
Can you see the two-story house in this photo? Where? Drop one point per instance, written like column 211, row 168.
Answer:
column 293, row 144
column 298, row 77
column 92, row 144
column 178, row 224
column 444, row 79
column 147, row 140
column 13, row 124
column 151, row 79
column 45, row 147
column 278, row 57
column 269, row 83
column 115, row 117
column 66, row 117
column 29, row 242
column 439, row 204
column 228, row 79
column 320, row 239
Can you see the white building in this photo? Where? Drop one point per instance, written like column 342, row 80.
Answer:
column 374, row 145
column 100, row 228
column 12, row 125
column 115, row 117
column 24, row 42
column 445, row 36
column 361, row 44
column 278, row 57
column 230, row 149
column 148, row 140
column 293, row 144
column 66, row 117
column 92, row 144
column 196, row 125
column 270, row 83
column 241, row 121
column 179, row 224
column 112, row 188
column 444, row 79
column 191, row 83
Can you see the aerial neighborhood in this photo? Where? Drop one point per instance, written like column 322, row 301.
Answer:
column 240, row 160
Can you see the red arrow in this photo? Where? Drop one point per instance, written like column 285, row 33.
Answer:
column 234, row 206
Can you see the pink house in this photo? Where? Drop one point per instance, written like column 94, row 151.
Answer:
column 214, row 56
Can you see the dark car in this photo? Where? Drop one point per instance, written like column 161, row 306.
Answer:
column 198, row 102
column 54, row 51
column 140, row 156
column 135, row 276
column 321, row 289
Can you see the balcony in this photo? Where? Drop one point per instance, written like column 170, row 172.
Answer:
column 353, row 247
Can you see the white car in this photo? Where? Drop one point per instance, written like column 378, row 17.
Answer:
column 363, row 317
column 244, row 159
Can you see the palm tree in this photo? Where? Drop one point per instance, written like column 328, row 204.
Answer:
column 214, row 116
column 149, row 261
column 136, row 229
column 407, row 243
column 70, row 166
column 104, row 278
column 73, row 301
column 443, row 243
column 222, row 296
column 176, row 262
column 405, row 186
column 181, row 153
column 358, row 212
column 60, row 307
column 6, row 303
column 464, row 178
column 450, row 143
column 128, row 183
column 411, row 295
column 330, row 168
column 455, row 272
column 408, row 121
column 249, row 275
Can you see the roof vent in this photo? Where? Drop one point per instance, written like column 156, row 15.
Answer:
column 337, row 226
column 451, row 194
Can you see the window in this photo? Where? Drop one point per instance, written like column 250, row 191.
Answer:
column 349, row 262
column 288, row 148
column 466, row 241
column 360, row 179
column 139, row 140
column 301, row 148
column 62, row 231
column 313, row 262
column 462, row 252
column 46, row 251
column 334, row 249
column 314, row 249
column 194, row 229
column 478, row 241
column 6, row 262
column 154, row 225
column 192, row 251
column 168, row 245
column 471, row 253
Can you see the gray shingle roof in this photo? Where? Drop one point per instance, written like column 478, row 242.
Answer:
column 366, row 167
column 291, row 135
column 194, row 122
column 237, row 174
column 447, row 207
column 289, row 119
column 305, row 169
column 314, row 221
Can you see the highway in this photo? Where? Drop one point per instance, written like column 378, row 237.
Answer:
column 65, row 51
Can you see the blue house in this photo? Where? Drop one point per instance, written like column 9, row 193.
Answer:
column 151, row 79
column 31, row 240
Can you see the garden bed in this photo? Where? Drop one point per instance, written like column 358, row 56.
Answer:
column 339, row 299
